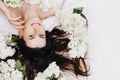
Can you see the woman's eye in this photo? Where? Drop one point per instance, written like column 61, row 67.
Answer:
column 31, row 36
column 42, row 36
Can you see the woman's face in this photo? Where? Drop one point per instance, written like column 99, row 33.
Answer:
column 34, row 33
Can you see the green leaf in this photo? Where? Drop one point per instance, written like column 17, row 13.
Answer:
column 7, row 2
column 78, row 10
column 13, row 2
column 14, row 39
column 23, row 72
column 18, row 64
column 52, row 77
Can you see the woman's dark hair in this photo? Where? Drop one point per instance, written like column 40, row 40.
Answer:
column 38, row 59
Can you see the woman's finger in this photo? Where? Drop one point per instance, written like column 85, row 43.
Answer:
column 14, row 18
column 17, row 23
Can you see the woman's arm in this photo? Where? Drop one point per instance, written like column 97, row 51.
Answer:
column 3, row 8
column 44, row 15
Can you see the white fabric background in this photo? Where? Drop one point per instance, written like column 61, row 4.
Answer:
column 104, row 35
column 103, row 31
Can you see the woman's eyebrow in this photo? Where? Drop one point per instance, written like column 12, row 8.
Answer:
column 42, row 34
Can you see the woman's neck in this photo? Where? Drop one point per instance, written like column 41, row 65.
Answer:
column 30, row 11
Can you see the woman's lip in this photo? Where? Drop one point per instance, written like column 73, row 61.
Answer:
column 35, row 24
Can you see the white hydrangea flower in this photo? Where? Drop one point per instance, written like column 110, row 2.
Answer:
column 16, row 75
column 52, row 69
column 56, row 4
column 11, row 63
column 72, row 20
column 5, row 50
column 40, row 76
column 7, row 76
column 2, row 37
column 78, row 47
column 13, row 3
column 4, row 67
column 45, row 5
column 33, row 2
column 74, row 25
column 8, row 71
column 5, row 36
column 1, row 76
column 2, row 45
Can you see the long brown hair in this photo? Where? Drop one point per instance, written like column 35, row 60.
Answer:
column 38, row 59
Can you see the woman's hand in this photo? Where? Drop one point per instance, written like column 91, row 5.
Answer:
column 15, row 20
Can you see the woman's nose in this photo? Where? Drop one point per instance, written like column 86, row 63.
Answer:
column 36, row 29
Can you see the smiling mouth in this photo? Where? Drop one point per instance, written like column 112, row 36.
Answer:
column 35, row 24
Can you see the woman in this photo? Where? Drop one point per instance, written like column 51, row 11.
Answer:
column 39, row 48
column 31, row 16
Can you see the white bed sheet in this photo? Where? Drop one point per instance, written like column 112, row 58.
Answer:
column 104, row 36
